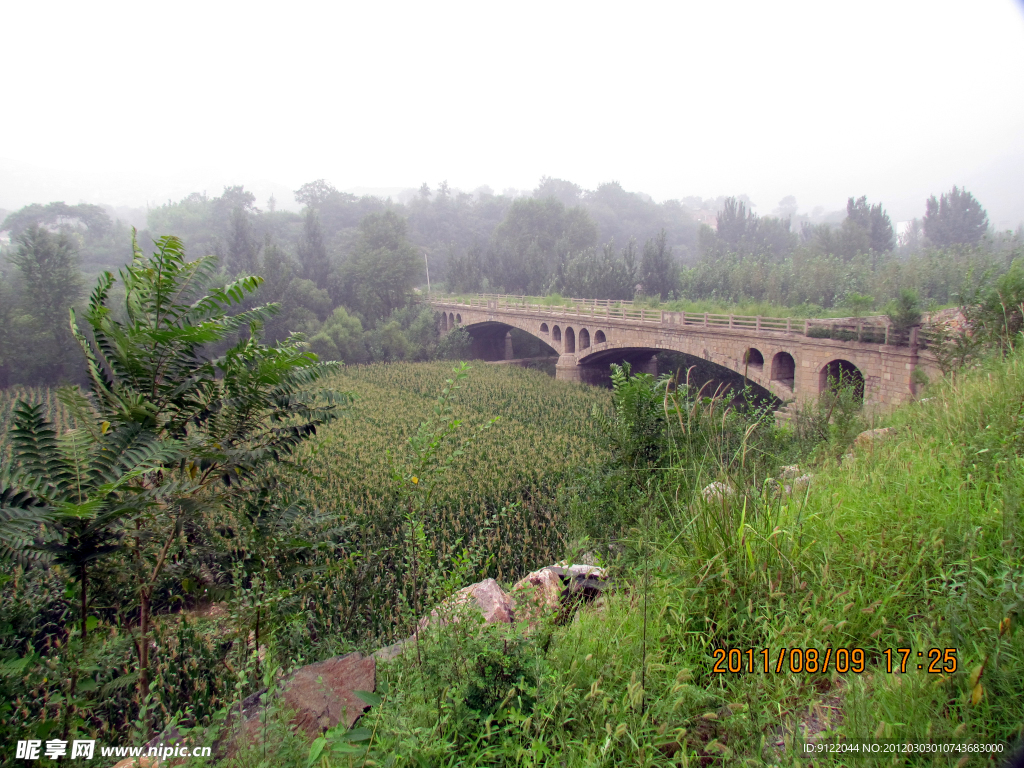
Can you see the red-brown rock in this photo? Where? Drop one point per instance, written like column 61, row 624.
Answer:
column 322, row 694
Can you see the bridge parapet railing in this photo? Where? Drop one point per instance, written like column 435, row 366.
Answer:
column 869, row 330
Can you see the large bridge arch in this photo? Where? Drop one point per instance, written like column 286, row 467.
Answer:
column 592, row 361
column 491, row 339
column 594, row 368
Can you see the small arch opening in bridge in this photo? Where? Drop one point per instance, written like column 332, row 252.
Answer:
column 444, row 322
column 458, row 319
column 753, row 358
column 584, row 338
column 600, row 338
column 570, row 340
column 543, row 327
column 784, row 369
column 451, row 320
column 556, row 334
column 840, row 374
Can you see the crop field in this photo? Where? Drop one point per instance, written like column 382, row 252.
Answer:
column 543, row 432
column 499, row 507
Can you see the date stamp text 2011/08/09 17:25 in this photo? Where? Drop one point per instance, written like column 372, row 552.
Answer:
column 841, row 660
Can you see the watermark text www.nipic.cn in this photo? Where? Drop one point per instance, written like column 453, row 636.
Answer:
column 85, row 749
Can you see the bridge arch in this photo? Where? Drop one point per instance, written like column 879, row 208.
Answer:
column 490, row 336
column 444, row 322
column 754, row 359
column 584, row 338
column 838, row 373
column 593, row 361
column 569, row 344
column 784, row 369
column 594, row 367
column 600, row 338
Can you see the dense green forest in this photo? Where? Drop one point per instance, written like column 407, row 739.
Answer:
column 349, row 272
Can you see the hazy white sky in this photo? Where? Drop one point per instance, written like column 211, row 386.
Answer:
column 129, row 102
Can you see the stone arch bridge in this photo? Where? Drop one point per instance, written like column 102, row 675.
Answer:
column 792, row 359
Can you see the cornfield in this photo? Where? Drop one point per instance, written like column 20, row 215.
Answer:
column 500, row 498
column 500, row 501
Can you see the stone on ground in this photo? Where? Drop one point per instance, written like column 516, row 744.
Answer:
column 717, row 492
column 536, row 595
column 868, row 438
column 322, row 694
column 486, row 597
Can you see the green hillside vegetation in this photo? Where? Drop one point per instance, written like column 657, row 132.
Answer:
column 912, row 543
column 210, row 512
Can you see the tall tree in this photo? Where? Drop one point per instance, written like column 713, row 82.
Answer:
column 956, row 218
column 598, row 275
column 58, row 215
column 464, row 272
column 565, row 192
column 52, row 283
column 243, row 250
column 535, row 236
column 733, row 223
column 384, row 266
column 657, row 272
column 313, row 252
column 7, row 345
column 874, row 221
column 739, row 231
column 231, row 414
column 313, row 194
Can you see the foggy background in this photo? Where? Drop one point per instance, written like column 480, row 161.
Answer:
column 133, row 105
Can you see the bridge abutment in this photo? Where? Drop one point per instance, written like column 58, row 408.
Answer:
column 599, row 374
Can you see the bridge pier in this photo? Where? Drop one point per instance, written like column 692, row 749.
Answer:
column 651, row 366
column 566, row 369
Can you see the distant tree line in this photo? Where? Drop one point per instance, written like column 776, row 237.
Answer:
column 858, row 263
column 345, row 270
column 348, row 271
